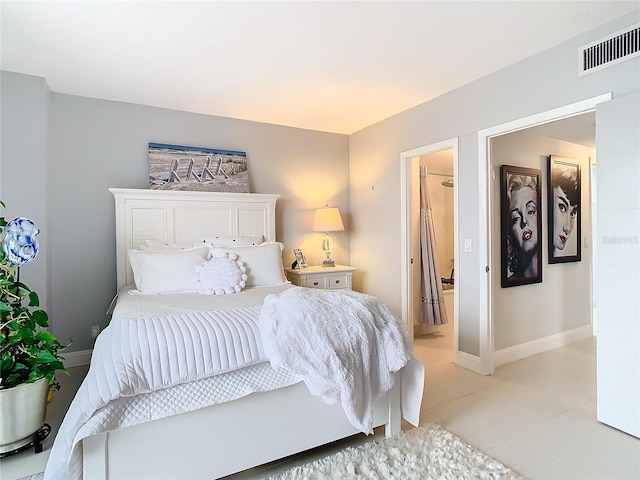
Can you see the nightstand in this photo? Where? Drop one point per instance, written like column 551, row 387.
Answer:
column 327, row 278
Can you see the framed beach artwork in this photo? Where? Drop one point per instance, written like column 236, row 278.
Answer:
column 563, row 201
column 177, row 167
column 520, row 226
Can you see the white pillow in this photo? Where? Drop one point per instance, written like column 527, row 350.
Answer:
column 222, row 274
column 157, row 245
column 173, row 271
column 166, row 247
column 263, row 262
column 234, row 241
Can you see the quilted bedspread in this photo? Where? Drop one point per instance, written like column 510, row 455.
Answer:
column 140, row 356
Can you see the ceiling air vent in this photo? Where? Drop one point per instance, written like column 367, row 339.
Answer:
column 615, row 48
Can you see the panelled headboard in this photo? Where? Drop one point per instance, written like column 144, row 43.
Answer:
column 186, row 217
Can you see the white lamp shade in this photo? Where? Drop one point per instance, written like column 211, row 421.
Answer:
column 327, row 219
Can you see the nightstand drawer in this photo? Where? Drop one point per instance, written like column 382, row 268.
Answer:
column 315, row 281
column 339, row 281
column 324, row 278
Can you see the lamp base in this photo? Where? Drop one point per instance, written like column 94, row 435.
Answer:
column 328, row 263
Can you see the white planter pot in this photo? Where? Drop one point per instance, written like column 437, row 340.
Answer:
column 22, row 410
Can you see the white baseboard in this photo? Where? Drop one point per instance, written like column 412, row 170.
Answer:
column 77, row 359
column 468, row 361
column 517, row 352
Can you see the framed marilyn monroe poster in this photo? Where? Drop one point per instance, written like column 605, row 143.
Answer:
column 521, row 226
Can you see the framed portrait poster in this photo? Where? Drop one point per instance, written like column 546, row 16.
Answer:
column 520, row 226
column 563, row 201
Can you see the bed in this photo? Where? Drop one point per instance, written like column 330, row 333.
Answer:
column 213, row 425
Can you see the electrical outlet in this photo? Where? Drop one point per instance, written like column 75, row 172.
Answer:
column 95, row 331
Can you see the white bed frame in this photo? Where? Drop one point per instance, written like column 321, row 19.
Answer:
column 223, row 439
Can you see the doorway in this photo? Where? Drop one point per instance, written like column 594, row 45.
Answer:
column 486, row 184
column 441, row 160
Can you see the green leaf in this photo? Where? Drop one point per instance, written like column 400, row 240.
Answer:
column 7, row 364
column 13, row 378
column 26, row 334
column 45, row 336
column 34, row 301
column 45, row 357
column 57, row 365
column 41, row 318
column 4, row 307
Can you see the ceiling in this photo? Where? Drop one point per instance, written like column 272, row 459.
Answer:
column 335, row 66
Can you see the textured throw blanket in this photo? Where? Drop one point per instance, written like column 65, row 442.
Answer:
column 347, row 346
column 140, row 356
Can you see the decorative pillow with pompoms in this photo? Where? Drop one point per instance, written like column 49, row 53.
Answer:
column 223, row 274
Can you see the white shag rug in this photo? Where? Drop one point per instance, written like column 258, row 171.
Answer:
column 424, row 453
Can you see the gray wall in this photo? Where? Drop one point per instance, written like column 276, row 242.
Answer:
column 23, row 173
column 543, row 82
column 95, row 144
column 563, row 300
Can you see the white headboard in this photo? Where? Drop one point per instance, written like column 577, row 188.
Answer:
column 186, row 217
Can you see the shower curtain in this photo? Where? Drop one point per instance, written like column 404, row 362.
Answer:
column 433, row 308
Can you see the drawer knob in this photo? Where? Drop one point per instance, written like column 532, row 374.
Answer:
column 337, row 281
column 315, row 283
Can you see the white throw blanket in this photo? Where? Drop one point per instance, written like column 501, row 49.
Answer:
column 139, row 356
column 347, row 346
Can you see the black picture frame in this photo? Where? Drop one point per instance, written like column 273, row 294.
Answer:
column 520, row 226
column 564, row 210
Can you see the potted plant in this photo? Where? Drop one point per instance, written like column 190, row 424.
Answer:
column 29, row 353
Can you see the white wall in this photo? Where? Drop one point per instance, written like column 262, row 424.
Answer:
column 61, row 153
column 618, row 262
column 562, row 301
column 540, row 83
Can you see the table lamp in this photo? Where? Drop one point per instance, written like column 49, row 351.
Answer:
column 327, row 219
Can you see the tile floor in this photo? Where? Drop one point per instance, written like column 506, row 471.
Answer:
column 536, row 415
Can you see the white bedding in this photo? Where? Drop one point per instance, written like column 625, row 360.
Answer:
column 352, row 356
column 162, row 348
column 187, row 397
column 134, row 306
column 180, row 351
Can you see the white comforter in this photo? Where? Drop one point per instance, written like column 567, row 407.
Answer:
column 159, row 351
column 350, row 355
column 138, row 356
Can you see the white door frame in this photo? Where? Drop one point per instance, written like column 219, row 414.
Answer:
column 408, row 184
column 485, row 193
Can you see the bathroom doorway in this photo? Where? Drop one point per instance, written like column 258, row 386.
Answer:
column 438, row 344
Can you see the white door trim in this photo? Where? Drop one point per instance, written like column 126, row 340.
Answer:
column 485, row 192
column 407, row 186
